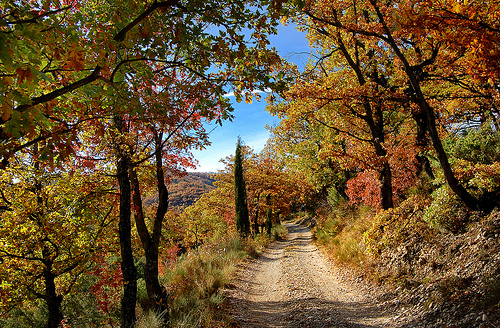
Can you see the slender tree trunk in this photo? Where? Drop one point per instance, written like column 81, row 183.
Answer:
column 452, row 181
column 129, row 271
column 151, row 242
column 150, row 245
column 422, row 141
column 269, row 220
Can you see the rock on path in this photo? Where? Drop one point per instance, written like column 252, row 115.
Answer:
column 293, row 285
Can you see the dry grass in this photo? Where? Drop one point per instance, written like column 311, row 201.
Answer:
column 341, row 232
column 197, row 281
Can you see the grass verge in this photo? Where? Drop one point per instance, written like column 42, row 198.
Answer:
column 340, row 233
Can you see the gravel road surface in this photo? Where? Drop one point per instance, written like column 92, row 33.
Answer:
column 293, row 285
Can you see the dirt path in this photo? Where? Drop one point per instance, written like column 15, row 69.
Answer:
column 293, row 285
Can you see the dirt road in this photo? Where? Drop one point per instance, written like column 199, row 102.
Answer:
column 293, row 285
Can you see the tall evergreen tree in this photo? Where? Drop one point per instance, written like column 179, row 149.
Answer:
column 240, row 195
column 269, row 222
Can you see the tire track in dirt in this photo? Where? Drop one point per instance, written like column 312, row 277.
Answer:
column 293, row 285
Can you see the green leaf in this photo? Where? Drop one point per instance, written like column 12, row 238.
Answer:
column 4, row 53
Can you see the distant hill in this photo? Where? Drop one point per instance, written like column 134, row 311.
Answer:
column 187, row 190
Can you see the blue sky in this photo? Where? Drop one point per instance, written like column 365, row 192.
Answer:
column 250, row 119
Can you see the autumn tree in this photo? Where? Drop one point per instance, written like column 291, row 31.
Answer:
column 171, row 137
column 273, row 187
column 64, row 56
column 128, row 268
column 265, row 174
column 416, row 67
column 153, row 146
column 240, row 195
column 345, row 104
column 53, row 223
column 302, row 148
column 209, row 218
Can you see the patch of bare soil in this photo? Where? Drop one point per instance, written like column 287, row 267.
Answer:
column 293, row 285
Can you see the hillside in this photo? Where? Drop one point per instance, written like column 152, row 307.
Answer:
column 188, row 189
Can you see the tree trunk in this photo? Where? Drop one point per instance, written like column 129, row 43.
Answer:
column 129, row 271
column 157, row 294
column 452, row 181
column 269, row 221
column 150, row 245
column 385, row 178
column 384, row 174
column 51, row 298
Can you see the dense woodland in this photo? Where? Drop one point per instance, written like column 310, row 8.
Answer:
column 389, row 138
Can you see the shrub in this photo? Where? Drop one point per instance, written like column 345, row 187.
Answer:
column 151, row 319
column 446, row 212
column 82, row 307
column 476, row 158
column 279, row 232
column 32, row 315
column 389, row 227
column 476, row 145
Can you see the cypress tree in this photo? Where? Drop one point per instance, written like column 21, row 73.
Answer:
column 269, row 222
column 240, row 195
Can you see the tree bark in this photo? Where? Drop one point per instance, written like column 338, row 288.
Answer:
column 269, row 220
column 150, row 245
column 51, row 298
column 129, row 271
column 385, row 178
column 157, row 294
column 452, row 181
